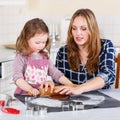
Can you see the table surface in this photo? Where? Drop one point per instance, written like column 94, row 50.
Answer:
column 91, row 114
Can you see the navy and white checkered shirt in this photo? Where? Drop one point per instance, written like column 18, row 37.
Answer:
column 106, row 65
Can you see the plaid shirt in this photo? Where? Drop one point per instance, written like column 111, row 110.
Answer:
column 106, row 68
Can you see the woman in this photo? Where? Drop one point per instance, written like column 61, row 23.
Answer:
column 86, row 60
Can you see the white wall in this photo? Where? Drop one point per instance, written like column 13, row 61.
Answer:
column 66, row 7
column 12, row 18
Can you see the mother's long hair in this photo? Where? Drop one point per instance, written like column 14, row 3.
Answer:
column 93, row 44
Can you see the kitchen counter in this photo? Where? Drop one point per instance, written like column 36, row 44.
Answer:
column 6, row 54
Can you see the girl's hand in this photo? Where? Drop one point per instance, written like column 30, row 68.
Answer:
column 34, row 92
column 47, row 84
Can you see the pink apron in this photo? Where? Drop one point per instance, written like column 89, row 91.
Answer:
column 36, row 72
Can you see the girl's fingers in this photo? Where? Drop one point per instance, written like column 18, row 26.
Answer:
column 46, row 87
column 50, row 85
column 34, row 92
column 42, row 85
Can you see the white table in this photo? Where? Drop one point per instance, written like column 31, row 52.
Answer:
column 91, row 114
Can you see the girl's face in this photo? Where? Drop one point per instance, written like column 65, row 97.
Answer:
column 38, row 42
column 80, row 31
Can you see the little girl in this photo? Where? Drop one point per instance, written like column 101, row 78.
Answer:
column 32, row 67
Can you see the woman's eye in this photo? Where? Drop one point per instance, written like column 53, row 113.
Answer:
column 84, row 29
column 40, row 42
column 37, row 43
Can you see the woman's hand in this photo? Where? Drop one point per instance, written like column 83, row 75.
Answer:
column 47, row 84
column 68, row 90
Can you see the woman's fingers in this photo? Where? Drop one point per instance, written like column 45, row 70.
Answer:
column 63, row 90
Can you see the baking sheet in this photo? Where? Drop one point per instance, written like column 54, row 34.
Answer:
column 46, row 102
column 91, row 100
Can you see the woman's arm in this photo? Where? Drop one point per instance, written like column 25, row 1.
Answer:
column 94, row 84
column 107, row 63
column 91, row 85
column 104, row 78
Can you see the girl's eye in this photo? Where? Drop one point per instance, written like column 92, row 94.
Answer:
column 73, row 28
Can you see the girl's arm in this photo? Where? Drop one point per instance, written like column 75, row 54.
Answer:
column 19, row 67
column 57, row 75
column 26, row 87
column 65, row 81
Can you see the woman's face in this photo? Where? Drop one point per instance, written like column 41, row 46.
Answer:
column 38, row 42
column 80, row 31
